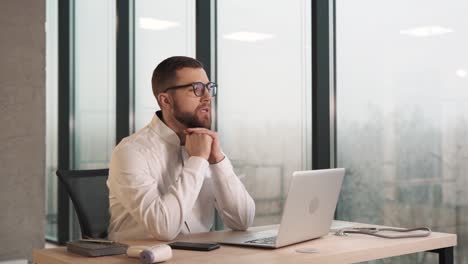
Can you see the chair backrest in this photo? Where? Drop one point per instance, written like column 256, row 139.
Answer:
column 90, row 197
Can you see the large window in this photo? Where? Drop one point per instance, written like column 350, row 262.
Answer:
column 162, row 29
column 263, row 103
column 402, row 115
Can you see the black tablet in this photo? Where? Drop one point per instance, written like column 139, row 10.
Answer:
column 194, row 246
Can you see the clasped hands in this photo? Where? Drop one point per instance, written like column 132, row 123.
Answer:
column 203, row 143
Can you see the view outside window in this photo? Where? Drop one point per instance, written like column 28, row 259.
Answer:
column 94, row 79
column 402, row 116
column 263, row 102
column 162, row 29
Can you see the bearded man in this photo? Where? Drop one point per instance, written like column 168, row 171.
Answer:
column 169, row 177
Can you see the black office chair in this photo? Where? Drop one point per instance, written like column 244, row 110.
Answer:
column 90, row 197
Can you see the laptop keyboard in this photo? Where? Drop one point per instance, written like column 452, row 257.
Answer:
column 264, row 240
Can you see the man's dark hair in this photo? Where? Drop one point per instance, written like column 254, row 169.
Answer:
column 165, row 74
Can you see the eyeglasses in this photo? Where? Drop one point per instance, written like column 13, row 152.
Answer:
column 198, row 88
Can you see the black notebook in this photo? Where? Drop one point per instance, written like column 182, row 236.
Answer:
column 93, row 249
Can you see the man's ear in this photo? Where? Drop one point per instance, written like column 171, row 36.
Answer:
column 165, row 100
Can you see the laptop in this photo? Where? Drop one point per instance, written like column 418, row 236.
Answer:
column 307, row 214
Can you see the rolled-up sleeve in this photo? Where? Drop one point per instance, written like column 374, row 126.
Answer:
column 135, row 187
column 233, row 202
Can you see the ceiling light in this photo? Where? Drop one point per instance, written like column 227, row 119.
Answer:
column 426, row 31
column 461, row 73
column 156, row 24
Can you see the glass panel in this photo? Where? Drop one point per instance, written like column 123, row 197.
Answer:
column 94, row 83
column 264, row 107
column 51, row 118
column 162, row 29
column 95, row 52
column 402, row 116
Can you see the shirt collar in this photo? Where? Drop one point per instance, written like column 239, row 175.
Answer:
column 166, row 133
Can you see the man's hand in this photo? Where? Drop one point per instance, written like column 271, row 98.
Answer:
column 216, row 155
column 198, row 144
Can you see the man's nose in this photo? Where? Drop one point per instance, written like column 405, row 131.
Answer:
column 206, row 95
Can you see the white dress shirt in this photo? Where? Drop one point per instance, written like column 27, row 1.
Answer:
column 157, row 191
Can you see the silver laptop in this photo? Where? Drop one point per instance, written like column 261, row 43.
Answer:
column 307, row 213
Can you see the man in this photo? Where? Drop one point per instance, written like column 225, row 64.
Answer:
column 168, row 177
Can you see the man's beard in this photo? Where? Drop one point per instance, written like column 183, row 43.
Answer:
column 190, row 119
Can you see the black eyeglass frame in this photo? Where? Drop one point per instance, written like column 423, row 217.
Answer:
column 210, row 86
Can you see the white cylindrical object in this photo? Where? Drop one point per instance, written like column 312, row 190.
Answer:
column 134, row 251
column 155, row 254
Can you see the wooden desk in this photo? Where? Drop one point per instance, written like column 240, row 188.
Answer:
column 331, row 249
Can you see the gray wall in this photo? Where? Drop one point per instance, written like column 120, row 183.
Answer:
column 22, row 132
